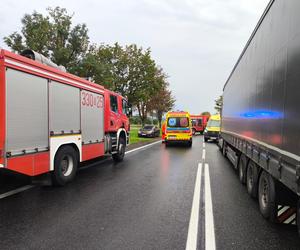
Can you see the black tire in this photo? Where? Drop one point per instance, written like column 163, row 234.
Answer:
column 119, row 156
column 298, row 217
column 167, row 144
column 190, row 143
column 252, row 179
column 242, row 169
column 65, row 166
column 267, row 196
column 205, row 139
column 194, row 131
column 224, row 151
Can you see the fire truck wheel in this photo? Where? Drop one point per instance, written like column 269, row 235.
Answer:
column 118, row 157
column 205, row 139
column 65, row 166
column 252, row 179
column 267, row 196
column 190, row 143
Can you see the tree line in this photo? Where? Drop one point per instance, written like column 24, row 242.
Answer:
column 129, row 70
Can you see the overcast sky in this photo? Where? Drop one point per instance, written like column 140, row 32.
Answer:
column 197, row 42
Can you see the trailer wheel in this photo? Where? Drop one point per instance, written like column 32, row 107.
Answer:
column 65, row 166
column 298, row 216
column 252, row 179
column 119, row 156
column 224, row 151
column 242, row 168
column 267, row 196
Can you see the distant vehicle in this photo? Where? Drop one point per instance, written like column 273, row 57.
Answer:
column 149, row 131
column 50, row 120
column 199, row 123
column 178, row 128
column 212, row 130
column 163, row 131
column 261, row 117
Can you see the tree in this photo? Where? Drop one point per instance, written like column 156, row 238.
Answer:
column 53, row 36
column 206, row 113
column 219, row 104
column 129, row 70
column 162, row 101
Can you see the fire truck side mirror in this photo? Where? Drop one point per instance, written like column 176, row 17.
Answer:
column 129, row 110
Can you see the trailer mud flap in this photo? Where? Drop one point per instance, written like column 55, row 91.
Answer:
column 286, row 215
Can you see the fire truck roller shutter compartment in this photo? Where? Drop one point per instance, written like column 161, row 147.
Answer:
column 92, row 117
column 64, row 109
column 26, row 113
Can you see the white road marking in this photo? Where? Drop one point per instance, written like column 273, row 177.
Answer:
column 283, row 210
column 27, row 187
column 146, row 146
column 203, row 144
column 289, row 220
column 210, row 243
column 15, row 191
column 203, row 154
column 191, row 243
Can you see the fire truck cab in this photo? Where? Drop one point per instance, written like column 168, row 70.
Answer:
column 199, row 123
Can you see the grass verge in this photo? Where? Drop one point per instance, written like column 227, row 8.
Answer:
column 134, row 136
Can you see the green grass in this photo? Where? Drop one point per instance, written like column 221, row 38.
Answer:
column 134, row 135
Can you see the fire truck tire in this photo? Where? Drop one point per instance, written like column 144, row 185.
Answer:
column 205, row 139
column 252, row 179
column 242, row 169
column 119, row 156
column 267, row 196
column 190, row 144
column 65, row 166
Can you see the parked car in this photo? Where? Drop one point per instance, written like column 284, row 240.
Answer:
column 149, row 131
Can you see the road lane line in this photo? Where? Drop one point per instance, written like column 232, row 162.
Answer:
column 210, row 243
column 203, row 154
column 146, row 146
column 203, row 144
column 192, row 238
column 16, row 191
column 27, row 187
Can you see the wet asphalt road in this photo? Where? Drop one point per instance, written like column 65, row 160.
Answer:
column 142, row 203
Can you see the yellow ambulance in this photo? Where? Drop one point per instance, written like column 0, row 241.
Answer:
column 178, row 128
column 213, row 127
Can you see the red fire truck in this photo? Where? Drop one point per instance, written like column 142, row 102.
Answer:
column 199, row 123
column 50, row 120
